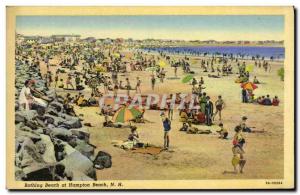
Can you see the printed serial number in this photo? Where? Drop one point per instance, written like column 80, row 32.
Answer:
column 274, row 182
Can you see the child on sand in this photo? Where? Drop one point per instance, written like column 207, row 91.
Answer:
column 222, row 132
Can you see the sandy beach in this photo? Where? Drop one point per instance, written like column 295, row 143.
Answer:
column 193, row 156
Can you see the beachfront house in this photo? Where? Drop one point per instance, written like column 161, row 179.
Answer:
column 65, row 38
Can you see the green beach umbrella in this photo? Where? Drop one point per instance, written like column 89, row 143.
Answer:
column 187, row 78
column 125, row 114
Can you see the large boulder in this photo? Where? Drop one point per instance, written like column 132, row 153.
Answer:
column 85, row 148
column 72, row 123
column 25, row 115
column 61, row 133
column 77, row 161
column 34, row 137
column 57, row 106
column 49, row 154
column 81, row 133
column 102, row 160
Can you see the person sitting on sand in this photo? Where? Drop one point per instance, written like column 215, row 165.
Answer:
column 255, row 80
column 194, row 82
column 61, row 84
column 134, row 136
column 82, row 101
column 183, row 116
column 237, row 150
column 92, row 100
column 184, row 127
column 267, row 101
column 275, row 101
column 222, row 132
column 243, row 125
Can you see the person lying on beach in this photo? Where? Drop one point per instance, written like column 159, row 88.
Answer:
column 213, row 76
column 195, row 130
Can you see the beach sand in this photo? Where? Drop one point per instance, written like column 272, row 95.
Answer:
column 195, row 156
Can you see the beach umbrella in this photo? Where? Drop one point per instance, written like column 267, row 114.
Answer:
column 249, row 68
column 187, row 78
column 125, row 114
column 162, row 64
column 248, row 86
column 116, row 55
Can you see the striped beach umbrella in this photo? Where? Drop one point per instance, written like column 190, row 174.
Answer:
column 248, row 86
column 125, row 114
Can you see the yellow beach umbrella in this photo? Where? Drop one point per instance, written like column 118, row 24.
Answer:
column 162, row 64
column 249, row 68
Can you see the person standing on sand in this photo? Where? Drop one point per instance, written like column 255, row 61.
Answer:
column 209, row 110
column 237, row 150
column 116, row 88
column 69, row 82
column 167, row 128
column 138, row 85
column 128, row 87
column 175, row 71
column 220, row 104
column 56, row 79
column 152, row 82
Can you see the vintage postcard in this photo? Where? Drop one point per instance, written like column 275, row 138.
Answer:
column 150, row 98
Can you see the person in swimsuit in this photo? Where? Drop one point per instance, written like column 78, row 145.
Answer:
column 220, row 104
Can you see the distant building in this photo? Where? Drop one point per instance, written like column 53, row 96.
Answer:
column 31, row 39
column 65, row 38
column 90, row 39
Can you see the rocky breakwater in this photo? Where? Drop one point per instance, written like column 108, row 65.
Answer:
column 51, row 145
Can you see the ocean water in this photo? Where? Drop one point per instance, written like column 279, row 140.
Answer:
column 236, row 51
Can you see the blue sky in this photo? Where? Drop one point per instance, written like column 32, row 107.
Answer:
column 165, row 27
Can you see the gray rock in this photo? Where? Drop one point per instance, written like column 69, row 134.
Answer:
column 61, row 133
column 28, row 134
column 22, row 116
column 83, row 164
column 48, row 155
column 72, row 123
column 81, row 133
column 57, row 106
column 85, row 148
